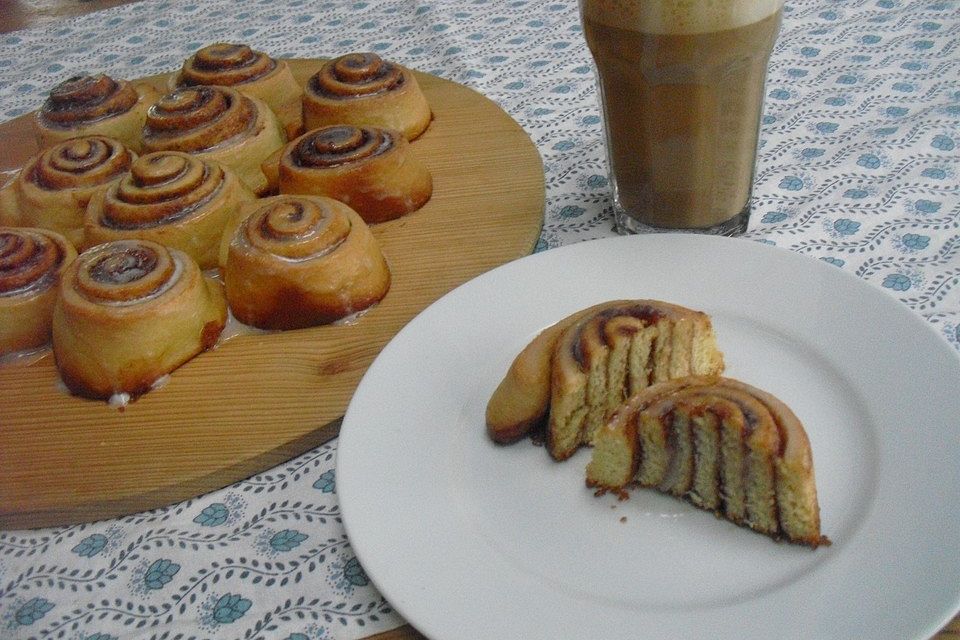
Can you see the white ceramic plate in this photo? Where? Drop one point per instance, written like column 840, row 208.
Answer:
column 472, row 540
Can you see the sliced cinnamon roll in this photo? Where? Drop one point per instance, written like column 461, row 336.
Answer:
column 252, row 73
column 54, row 187
column 363, row 89
column 375, row 171
column 301, row 261
column 575, row 373
column 216, row 123
column 94, row 105
column 172, row 198
column 31, row 263
column 723, row 445
column 129, row 312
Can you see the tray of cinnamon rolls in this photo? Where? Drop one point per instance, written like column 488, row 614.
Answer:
column 218, row 253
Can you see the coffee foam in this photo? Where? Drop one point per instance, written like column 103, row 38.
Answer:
column 680, row 17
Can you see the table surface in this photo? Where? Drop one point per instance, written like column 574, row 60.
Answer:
column 858, row 167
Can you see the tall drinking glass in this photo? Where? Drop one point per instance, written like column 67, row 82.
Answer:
column 681, row 86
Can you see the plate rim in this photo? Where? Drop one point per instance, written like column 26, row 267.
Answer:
column 350, row 431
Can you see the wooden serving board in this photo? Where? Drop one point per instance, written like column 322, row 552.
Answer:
column 257, row 400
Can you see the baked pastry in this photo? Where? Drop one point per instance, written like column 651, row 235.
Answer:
column 300, row 261
column 172, row 198
column 723, row 445
column 53, row 188
column 375, row 171
column 364, row 90
column 252, row 73
column 87, row 105
column 31, row 261
column 574, row 374
column 216, row 123
column 129, row 312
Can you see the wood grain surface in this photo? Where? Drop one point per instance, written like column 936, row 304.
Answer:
column 257, row 400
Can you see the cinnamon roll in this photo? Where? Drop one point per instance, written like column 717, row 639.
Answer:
column 724, row 445
column 252, row 73
column 94, row 105
column 300, row 261
column 54, row 187
column 31, row 262
column 373, row 170
column 575, row 373
column 129, row 312
column 172, row 198
column 362, row 89
column 216, row 123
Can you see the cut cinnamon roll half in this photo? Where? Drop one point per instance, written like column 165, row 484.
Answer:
column 301, row 261
column 54, row 187
column 363, row 89
column 574, row 374
column 129, row 312
column 252, row 73
column 723, row 445
column 374, row 171
column 216, row 123
column 31, row 263
column 94, row 105
column 172, row 198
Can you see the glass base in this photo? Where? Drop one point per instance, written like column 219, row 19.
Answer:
column 735, row 226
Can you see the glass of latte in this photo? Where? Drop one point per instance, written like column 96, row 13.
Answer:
column 681, row 86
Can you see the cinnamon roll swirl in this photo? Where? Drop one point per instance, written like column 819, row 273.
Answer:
column 252, row 73
column 216, row 123
column 54, row 187
column 301, row 261
column 375, row 171
column 362, row 89
column 94, row 105
column 171, row 198
column 129, row 312
column 723, row 445
column 575, row 373
column 31, row 262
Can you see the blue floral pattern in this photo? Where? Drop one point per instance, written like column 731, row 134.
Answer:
column 858, row 167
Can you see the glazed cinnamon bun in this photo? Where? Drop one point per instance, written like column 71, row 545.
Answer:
column 216, row 123
column 301, row 261
column 129, row 312
column 54, row 187
column 574, row 374
column 362, row 89
column 724, row 445
column 252, row 73
column 31, row 262
column 172, row 198
column 94, row 105
column 375, row 171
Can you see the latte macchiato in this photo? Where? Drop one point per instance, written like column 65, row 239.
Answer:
column 681, row 87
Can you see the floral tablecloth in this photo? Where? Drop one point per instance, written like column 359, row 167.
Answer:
column 859, row 167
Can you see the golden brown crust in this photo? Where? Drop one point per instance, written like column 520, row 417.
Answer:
column 54, row 187
column 94, row 105
column 129, row 312
column 31, row 264
column 374, row 171
column 216, row 123
column 363, row 89
column 549, row 379
column 772, row 438
column 171, row 198
column 252, row 73
column 301, row 261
